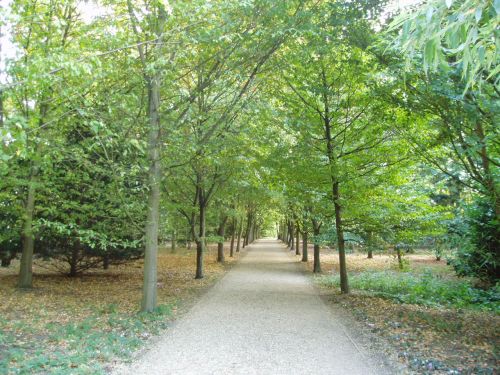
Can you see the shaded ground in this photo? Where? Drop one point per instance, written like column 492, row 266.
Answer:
column 263, row 317
column 79, row 325
column 427, row 339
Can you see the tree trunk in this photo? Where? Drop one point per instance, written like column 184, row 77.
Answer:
column 317, row 262
column 200, row 241
column 233, row 235
column 174, row 241
column 188, row 238
column 370, row 245
column 149, row 292
column 240, row 231
column 332, row 160
column 304, row 246
column 27, row 236
column 105, row 262
column 247, row 229
column 400, row 257
column 292, row 239
column 220, row 244
column 73, row 271
column 297, row 243
column 344, row 284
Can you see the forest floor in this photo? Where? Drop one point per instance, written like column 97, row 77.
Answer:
column 427, row 337
column 81, row 325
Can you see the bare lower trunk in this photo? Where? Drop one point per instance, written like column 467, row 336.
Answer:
column 200, row 243
column 200, row 249
column 105, row 262
column 73, row 270
column 400, row 257
column 233, row 235
column 220, row 244
column 173, row 244
column 27, row 236
column 297, row 243
column 240, row 231
column 370, row 245
column 304, row 247
column 149, row 293
column 317, row 262
column 344, row 284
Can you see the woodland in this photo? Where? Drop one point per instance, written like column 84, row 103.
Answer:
column 161, row 137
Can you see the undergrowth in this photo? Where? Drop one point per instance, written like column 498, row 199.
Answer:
column 82, row 347
column 422, row 289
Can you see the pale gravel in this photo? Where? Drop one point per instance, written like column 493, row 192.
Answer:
column 263, row 317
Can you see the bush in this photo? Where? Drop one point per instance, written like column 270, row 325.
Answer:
column 478, row 251
column 81, row 248
column 425, row 289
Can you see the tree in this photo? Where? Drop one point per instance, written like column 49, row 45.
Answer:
column 452, row 34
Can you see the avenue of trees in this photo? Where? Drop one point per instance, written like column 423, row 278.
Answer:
column 332, row 122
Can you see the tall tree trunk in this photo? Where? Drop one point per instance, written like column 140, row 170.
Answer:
column 152, row 80
column 332, row 159
column 304, row 246
column 233, row 235
column 220, row 244
column 344, row 284
column 149, row 293
column 292, row 239
column 297, row 243
column 248, row 229
column 200, row 241
column 240, row 231
column 27, row 236
column 317, row 261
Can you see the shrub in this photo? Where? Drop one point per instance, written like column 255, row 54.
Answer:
column 478, row 251
column 425, row 289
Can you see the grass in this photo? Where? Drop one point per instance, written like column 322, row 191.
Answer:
column 434, row 321
column 83, row 325
column 422, row 289
column 77, row 348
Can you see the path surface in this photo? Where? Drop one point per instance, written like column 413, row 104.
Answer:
column 263, row 317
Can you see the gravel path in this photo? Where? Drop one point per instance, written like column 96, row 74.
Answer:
column 263, row 317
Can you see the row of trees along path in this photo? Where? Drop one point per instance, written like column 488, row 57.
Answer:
column 135, row 124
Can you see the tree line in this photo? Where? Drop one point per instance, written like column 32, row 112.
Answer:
column 200, row 121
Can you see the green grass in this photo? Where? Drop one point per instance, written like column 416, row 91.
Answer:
column 422, row 289
column 77, row 348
